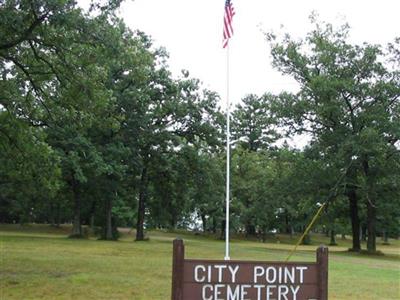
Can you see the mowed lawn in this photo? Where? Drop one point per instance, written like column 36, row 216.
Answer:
column 39, row 262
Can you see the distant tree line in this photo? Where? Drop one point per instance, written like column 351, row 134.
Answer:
column 95, row 130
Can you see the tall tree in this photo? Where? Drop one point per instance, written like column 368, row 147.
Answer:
column 54, row 74
column 253, row 123
column 348, row 99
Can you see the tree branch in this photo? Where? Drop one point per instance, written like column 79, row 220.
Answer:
column 38, row 90
column 26, row 34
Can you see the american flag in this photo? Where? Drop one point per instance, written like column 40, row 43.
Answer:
column 228, row 16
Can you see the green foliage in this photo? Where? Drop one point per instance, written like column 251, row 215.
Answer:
column 348, row 102
column 95, row 130
column 93, row 106
column 30, row 171
column 254, row 123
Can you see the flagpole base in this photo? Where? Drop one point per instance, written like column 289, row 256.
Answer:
column 227, row 258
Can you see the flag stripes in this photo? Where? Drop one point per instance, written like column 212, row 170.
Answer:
column 228, row 29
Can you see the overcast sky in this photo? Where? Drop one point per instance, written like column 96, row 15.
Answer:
column 191, row 31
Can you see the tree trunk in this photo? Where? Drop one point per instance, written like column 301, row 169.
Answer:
column 109, row 231
column 91, row 221
column 385, row 238
column 142, row 205
column 204, row 222
column 371, row 218
column 250, row 230
column 364, row 232
column 288, row 227
column 76, row 226
column 333, row 238
column 223, row 226
column 371, row 208
column 58, row 215
column 306, row 240
column 355, row 221
column 52, row 216
column 214, row 225
column 264, row 234
column 173, row 220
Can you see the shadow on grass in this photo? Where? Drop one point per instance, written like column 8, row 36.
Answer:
column 364, row 254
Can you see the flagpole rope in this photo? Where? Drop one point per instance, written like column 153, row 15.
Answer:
column 330, row 196
column 306, row 231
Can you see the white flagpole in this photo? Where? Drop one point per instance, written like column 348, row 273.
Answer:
column 228, row 152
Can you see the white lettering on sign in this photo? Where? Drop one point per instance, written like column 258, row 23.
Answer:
column 243, row 289
column 218, row 291
column 283, row 290
column 270, row 291
column 220, row 271
column 219, row 282
column 278, row 274
column 289, row 274
column 205, row 273
column 240, row 292
column 197, row 276
column 233, row 272
column 204, row 292
column 270, row 274
column 258, row 272
column 301, row 269
column 233, row 295
column 294, row 291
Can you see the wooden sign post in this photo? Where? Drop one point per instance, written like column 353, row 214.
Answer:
column 248, row 280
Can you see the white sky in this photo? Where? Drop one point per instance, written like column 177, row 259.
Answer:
column 191, row 31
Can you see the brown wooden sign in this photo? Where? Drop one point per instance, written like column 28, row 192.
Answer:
column 248, row 280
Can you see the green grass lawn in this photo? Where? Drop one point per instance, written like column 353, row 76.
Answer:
column 39, row 262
